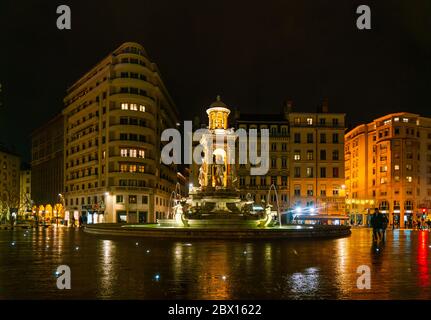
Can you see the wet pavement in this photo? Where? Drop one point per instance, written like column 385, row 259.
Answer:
column 132, row 268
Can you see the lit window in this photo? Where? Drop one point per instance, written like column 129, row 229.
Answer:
column 396, row 119
column 310, row 121
column 133, row 153
column 405, row 120
column 297, row 156
column 397, row 178
column 397, row 167
column 134, row 107
column 383, row 180
column 124, row 152
column 124, row 106
column 409, row 179
column 132, row 168
column 123, row 167
column 141, row 169
column 141, row 153
column 141, row 108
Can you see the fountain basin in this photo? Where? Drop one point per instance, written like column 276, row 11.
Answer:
column 211, row 232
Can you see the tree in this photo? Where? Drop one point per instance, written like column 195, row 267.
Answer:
column 9, row 203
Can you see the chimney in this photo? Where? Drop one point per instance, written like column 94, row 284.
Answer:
column 325, row 107
column 288, row 106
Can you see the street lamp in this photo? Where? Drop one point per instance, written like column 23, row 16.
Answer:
column 62, row 203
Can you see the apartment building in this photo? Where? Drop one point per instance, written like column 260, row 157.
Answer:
column 9, row 182
column 113, row 119
column 388, row 166
column 47, row 162
column 306, row 160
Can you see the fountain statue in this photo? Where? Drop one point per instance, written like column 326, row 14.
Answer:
column 216, row 201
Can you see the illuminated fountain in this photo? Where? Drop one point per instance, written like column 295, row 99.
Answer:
column 216, row 201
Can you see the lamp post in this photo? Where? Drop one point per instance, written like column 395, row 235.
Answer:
column 62, row 204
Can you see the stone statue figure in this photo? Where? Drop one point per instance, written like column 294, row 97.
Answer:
column 201, row 175
column 219, row 174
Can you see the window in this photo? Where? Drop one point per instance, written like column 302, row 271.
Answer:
column 297, row 155
column 142, row 108
column 323, row 190
column 409, row 178
column 124, row 106
column 310, row 190
column 123, row 167
column 144, row 199
column 132, row 168
column 322, row 138
column 132, row 199
column 310, row 138
column 297, row 172
column 323, row 172
column 335, row 138
column 310, row 155
column 123, row 152
column 297, row 190
column 409, row 167
column 397, row 167
column 132, row 153
column 297, row 121
column 119, row 199
column 134, row 107
column 335, row 155
column 322, row 121
column 310, row 121
column 335, row 173
column 309, row 172
column 273, row 147
column 141, row 153
column 284, row 181
column 297, row 138
column 335, row 122
column 322, row 154
column 284, row 163
column 274, row 163
column 141, row 168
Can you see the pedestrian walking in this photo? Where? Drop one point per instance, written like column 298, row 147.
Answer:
column 374, row 224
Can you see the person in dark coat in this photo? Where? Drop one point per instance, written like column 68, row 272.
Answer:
column 374, row 221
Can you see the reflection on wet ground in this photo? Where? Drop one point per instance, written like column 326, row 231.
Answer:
column 131, row 268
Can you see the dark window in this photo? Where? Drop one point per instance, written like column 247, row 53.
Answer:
column 322, row 154
column 323, row 172
column 335, row 173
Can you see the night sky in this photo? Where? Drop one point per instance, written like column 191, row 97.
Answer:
column 255, row 54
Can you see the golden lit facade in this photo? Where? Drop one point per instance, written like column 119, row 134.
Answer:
column 388, row 166
column 306, row 161
column 10, row 179
column 25, row 189
column 114, row 116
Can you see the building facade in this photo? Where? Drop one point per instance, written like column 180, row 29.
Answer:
column 306, row 161
column 113, row 119
column 25, row 189
column 47, row 162
column 9, row 182
column 388, row 166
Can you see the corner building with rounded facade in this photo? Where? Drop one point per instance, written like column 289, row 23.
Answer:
column 114, row 116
